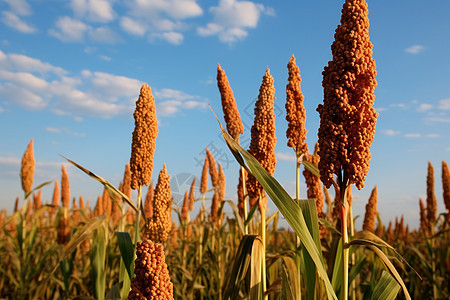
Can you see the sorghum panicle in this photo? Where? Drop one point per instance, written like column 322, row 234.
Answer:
column 314, row 188
column 185, row 207
column 148, row 204
column 371, row 211
column 204, row 178
column 263, row 139
column 231, row 113
column 126, row 182
column 192, row 194
column 431, row 197
column 295, row 111
column 144, row 138
column 347, row 116
column 446, row 187
column 158, row 226
column 152, row 280
column 212, row 169
column 27, row 168
column 423, row 218
column 65, row 188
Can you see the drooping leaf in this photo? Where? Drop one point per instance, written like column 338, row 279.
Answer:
column 287, row 206
column 110, row 188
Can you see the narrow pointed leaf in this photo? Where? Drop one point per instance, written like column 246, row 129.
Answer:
column 283, row 201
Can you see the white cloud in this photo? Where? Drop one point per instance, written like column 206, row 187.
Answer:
column 103, row 35
column 232, row 18
column 399, row 105
column 175, row 100
column 438, row 120
column 444, row 104
column 174, row 9
column 19, row 7
column 285, row 156
column 19, row 62
column 390, row 132
column 413, row 135
column 424, row 107
column 64, row 130
column 40, row 86
column 13, row 21
column 160, row 19
column 1, row 110
column 432, row 135
column 69, row 30
column 93, row 10
column 174, row 38
column 415, row 49
column 172, row 94
column 105, row 58
column 132, row 26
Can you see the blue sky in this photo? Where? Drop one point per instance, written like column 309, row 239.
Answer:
column 70, row 73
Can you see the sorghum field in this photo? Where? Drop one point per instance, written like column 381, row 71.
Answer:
column 145, row 247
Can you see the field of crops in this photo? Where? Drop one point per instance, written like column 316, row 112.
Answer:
column 145, row 247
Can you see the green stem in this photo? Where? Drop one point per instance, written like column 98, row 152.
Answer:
column 297, row 199
column 353, row 260
column 244, row 191
column 263, row 259
column 138, row 216
column 345, row 250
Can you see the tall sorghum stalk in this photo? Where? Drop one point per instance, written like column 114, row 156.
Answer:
column 296, row 132
column 143, row 146
column 431, row 219
column 203, row 190
column 347, row 116
column 446, row 188
column 262, row 147
column 233, row 121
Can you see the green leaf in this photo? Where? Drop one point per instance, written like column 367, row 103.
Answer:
column 387, row 288
column 311, row 168
column 391, row 268
column 308, row 207
column 283, row 201
column 108, row 186
column 236, row 216
column 289, row 285
column 248, row 254
column 98, row 262
column 126, row 250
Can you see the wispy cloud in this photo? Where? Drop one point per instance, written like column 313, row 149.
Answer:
column 418, row 135
column 12, row 20
column 416, row 49
column 390, row 132
column 412, row 135
column 232, row 19
column 170, row 101
column 444, row 104
column 160, row 20
column 64, row 130
column 438, row 120
column 19, row 7
column 37, row 85
column 285, row 156
column 424, row 107
column 69, row 30
column 93, row 10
